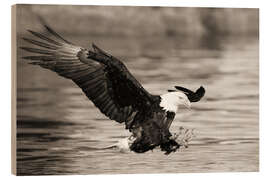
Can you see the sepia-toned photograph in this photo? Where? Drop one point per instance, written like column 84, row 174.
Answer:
column 135, row 89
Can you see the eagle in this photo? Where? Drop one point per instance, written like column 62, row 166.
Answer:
column 107, row 82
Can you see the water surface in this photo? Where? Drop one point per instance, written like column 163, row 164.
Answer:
column 61, row 132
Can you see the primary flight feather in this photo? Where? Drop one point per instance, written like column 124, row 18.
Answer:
column 107, row 82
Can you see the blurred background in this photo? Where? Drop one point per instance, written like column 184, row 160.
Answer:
column 59, row 131
column 142, row 21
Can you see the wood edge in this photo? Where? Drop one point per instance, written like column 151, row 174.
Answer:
column 13, row 90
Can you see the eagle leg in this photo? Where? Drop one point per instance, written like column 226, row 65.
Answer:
column 169, row 146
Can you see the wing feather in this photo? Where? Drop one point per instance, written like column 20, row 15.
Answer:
column 95, row 73
column 56, row 35
column 39, row 51
column 45, row 38
column 41, row 44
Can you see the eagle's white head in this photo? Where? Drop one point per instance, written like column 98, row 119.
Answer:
column 173, row 100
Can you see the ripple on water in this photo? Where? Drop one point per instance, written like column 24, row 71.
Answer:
column 59, row 131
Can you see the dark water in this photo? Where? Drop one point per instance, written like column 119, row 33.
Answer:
column 61, row 132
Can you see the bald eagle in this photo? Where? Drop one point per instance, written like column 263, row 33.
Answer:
column 107, row 82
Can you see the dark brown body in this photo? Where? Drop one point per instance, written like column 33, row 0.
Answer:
column 151, row 129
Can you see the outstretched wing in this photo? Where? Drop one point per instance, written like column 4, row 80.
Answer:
column 103, row 78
